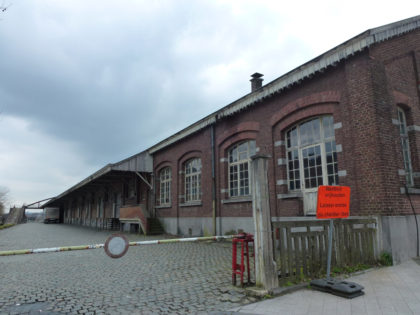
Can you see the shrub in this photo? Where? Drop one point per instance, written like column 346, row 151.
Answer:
column 385, row 259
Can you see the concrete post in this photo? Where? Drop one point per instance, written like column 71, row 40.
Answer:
column 265, row 266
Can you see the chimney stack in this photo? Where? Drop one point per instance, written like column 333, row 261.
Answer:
column 256, row 81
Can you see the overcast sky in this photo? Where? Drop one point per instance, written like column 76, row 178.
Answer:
column 86, row 83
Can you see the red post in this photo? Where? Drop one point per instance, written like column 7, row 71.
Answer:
column 234, row 243
column 244, row 240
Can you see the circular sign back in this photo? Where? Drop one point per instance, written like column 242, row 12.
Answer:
column 116, row 246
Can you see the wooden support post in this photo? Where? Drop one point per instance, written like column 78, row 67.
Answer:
column 265, row 266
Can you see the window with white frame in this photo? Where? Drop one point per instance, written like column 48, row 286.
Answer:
column 165, row 178
column 239, row 168
column 311, row 154
column 405, row 144
column 193, row 180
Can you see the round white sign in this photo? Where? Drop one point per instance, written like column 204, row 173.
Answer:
column 116, row 246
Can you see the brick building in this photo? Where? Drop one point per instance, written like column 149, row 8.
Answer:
column 350, row 117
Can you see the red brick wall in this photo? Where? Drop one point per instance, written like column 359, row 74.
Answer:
column 361, row 92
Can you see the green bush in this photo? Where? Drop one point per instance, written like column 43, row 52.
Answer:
column 385, row 259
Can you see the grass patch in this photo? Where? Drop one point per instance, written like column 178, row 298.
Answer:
column 5, row 226
column 349, row 269
column 335, row 271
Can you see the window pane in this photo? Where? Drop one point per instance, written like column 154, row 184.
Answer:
column 291, row 174
column 239, row 158
column 328, row 126
column 310, row 132
column 252, row 148
column 307, row 134
column 292, row 139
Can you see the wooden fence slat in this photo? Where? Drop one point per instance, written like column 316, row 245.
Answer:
column 371, row 246
column 283, row 252
column 289, row 252
column 305, row 255
column 321, row 252
column 297, row 256
column 339, row 243
column 364, row 252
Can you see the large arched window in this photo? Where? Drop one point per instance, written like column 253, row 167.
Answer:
column 239, row 160
column 311, row 154
column 193, row 180
column 165, row 179
column 405, row 147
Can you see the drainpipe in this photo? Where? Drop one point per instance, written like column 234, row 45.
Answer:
column 213, row 179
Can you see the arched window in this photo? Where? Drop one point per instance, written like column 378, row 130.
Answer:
column 193, row 180
column 165, row 178
column 239, row 160
column 311, row 154
column 405, row 147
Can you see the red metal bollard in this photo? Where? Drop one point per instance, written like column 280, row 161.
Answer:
column 239, row 269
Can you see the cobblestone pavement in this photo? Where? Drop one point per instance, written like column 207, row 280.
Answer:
column 152, row 279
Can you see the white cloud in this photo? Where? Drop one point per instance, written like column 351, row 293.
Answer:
column 34, row 165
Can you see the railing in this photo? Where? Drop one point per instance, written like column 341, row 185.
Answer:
column 300, row 247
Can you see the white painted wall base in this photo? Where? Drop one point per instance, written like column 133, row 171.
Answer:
column 397, row 235
column 193, row 226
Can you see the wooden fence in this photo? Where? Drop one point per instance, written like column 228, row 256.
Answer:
column 300, row 247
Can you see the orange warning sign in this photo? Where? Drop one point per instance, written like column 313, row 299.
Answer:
column 333, row 202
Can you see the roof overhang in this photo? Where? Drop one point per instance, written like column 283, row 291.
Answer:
column 141, row 162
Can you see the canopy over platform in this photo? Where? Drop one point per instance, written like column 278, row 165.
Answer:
column 138, row 163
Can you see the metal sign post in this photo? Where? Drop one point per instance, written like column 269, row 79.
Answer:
column 330, row 236
column 333, row 203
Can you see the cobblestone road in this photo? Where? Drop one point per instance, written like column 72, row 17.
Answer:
column 154, row 279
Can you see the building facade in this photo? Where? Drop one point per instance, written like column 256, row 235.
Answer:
column 348, row 117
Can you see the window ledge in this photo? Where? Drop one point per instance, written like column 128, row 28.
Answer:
column 411, row 190
column 163, row 206
column 297, row 194
column 191, row 204
column 237, row 199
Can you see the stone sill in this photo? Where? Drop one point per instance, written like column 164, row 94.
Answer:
column 163, row 206
column 191, row 204
column 297, row 194
column 237, row 200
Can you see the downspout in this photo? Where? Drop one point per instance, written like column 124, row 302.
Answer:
column 213, row 179
column 152, row 200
